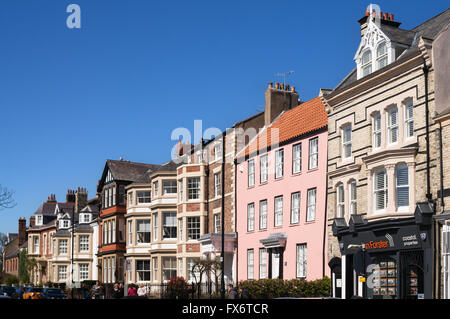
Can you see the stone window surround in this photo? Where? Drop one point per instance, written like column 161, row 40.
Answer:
column 341, row 124
column 345, row 180
column 390, row 165
column 383, row 108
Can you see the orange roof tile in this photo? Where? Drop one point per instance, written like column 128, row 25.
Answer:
column 307, row 117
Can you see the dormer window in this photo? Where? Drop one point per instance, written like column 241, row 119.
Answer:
column 366, row 63
column 85, row 218
column 64, row 224
column 382, row 56
column 39, row 220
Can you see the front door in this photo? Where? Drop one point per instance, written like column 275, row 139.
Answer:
column 275, row 263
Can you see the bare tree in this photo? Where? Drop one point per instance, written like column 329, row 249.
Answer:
column 6, row 198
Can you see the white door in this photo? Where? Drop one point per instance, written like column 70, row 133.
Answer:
column 275, row 263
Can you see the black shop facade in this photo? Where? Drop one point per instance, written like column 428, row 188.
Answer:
column 386, row 259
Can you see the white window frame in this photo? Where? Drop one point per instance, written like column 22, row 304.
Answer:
column 409, row 119
column 295, row 208
column 340, row 192
column 62, row 272
column 180, row 189
column 193, row 188
column 279, row 163
column 143, row 197
column 172, row 216
column 217, row 185
column 297, row 158
column 251, row 173
column 313, row 153
column 376, row 130
column 250, row 264
column 391, row 127
column 142, row 271
column 263, row 214
column 217, row 223
column 217, row 151
column 155, row 227
column 130, row 232
column 83, row 272
column 311, row 206
column 263, row 168
column 193, row 225
column 301, row 260
column 383, row 56
column 262, row 263
column 145, row 230
column 402, row 186
column 377, row 190
column 278, row 211
column 353, row 196
column 169, row 185
column 83, row 243
column 346, row 143
column 251, row 217
column 368, row 65
column 62, row 249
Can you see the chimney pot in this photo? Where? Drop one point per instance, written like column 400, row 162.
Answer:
column 292, row 89
column 282, row 86
column 367, row 12
column 391, row 17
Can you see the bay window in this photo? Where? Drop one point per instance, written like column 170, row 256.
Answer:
column 380, row 189
column 193, row 228
column 169, row 187
column 194, row 188
column 143, row 270
column 169, row 225
column 143, row 197
column 143, row 231
column 402, row 186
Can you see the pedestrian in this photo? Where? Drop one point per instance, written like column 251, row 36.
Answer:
column 116, row 292
column 121, row 288
column 142, row 291
column 232, row 292
column 96, row 291
column 244, row 294
column 132, row 292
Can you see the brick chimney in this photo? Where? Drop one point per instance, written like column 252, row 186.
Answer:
column 70, row 196
column 22, row 230
column 32, row 221
column 278, row 99
column 385, row 19
column 80, row 199
column 51, row 198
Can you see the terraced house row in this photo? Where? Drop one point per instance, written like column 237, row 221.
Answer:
column 352, row 184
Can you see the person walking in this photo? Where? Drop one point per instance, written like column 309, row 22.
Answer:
column 232, row 292
column 142, row 291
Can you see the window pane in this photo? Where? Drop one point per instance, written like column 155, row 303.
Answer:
column 278, row 211
column 251, row 217
column 169, row 187
column 263, row 214
column 402, row 186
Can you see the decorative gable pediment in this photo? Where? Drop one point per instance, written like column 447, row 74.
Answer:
column 373, row 36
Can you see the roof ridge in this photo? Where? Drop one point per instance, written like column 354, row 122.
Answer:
column 416, row 27
column 130, row 162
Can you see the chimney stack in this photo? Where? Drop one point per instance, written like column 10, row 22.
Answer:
column 384, row 18
column 32, row 221
column 51, row 198
column 70, row 196
column 22, row 230
column 80, row 199
column 279, row 99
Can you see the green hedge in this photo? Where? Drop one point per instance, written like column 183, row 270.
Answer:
column 274, row 288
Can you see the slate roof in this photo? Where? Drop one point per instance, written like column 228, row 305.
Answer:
column 429, row 29
column 130, row 171
column 305, row 118
column 48, row 208
column 168, row 167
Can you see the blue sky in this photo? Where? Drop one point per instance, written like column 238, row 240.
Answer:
column 136, row 70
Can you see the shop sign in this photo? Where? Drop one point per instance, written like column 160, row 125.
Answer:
column 379, row 244
column 410, row 240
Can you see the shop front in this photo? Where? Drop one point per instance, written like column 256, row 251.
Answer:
column 389, row 259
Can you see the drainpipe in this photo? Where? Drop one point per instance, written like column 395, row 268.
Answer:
column 222, row 257
column 425, row 72
column 235, row 222
column 325, row 222
column 442, row 209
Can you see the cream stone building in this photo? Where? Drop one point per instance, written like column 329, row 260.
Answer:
column 383, row 163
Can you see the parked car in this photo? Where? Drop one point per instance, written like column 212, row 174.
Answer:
column 53, row 293
column 33, row 293
column 19, row 292
column 8, row 291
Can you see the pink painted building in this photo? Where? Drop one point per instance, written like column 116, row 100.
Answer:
column 281, row 197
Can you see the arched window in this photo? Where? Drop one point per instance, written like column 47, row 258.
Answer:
column 382, row 57
column 340, row 201
column 352, row 194
column 366, row 64
column 380, row 189
column 402, row 186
